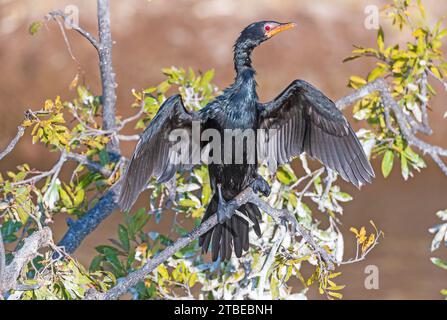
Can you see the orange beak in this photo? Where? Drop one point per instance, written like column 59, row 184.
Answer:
column 280, row 28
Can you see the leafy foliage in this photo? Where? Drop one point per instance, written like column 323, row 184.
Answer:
column 440, row 236
column 30, row 198
column 408, row 70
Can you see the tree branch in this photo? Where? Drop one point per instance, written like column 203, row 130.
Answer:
column 104, row 48
column 81, row 228
column 54, row 171
column 12, row 144
column 94, row 166
column 106, row 71
column 389, row 103
column 245, row 196
column 29, row 251
column 58, row 13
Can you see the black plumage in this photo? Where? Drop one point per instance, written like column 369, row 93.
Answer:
column 305, row 121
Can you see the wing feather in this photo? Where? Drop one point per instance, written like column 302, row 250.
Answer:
column 308, row 121
column 153, row 155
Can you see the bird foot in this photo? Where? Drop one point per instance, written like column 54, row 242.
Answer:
column 260, row 185
column 225, row 209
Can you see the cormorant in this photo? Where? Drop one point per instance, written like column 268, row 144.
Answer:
column 305, row 120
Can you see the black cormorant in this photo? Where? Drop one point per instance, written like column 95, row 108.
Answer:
column 305, row 121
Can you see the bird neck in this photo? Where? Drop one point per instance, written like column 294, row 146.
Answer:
column 242, row 56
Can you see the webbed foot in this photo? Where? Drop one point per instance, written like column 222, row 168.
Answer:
column 260, row 185
column 225, row 209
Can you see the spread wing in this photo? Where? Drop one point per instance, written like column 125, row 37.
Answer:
column 155, row 155
column 307, row 121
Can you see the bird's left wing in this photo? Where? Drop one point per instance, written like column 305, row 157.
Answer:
column 307, row 121
column 154, row 155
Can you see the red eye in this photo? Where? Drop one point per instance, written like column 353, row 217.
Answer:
column 267, row 27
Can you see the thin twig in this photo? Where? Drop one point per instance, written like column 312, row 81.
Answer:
column 33, row 180
column 58, row 13
column 12, row 144
column 88, row 163
column 364, row 253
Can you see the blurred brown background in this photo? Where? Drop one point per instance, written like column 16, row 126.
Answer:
column 153, row 34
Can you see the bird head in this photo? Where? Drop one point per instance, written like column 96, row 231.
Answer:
column 258, row 32
column 252, row 36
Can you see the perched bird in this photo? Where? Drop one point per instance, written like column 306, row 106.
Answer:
column 305, row 121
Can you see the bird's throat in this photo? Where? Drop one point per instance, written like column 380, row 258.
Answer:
column 242, row 56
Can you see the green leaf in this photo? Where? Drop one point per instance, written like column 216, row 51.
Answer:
column 65, row 198
column 96, row 263
column 108, row 249
column 192, row 280
column 336, row 295
column 112, row 257
column 274, row 287
column 381, row 40
column 138, row 221
column 440, row 263
column 163, row 271
column 286, row 175
column 387, row 163
column 358, row 80
column 342, row 196
column 35, row 27
column 207, row 77
column 104, row 157
column 421, row 8
column 188, row 203
column 80, row 195
column 124, row 237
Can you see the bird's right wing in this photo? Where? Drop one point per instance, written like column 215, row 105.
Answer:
column 306, row 120
column 155, row 155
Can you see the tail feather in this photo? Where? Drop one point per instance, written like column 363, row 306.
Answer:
column 232, row 234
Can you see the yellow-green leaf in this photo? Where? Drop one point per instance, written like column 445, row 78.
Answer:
column 387, row 163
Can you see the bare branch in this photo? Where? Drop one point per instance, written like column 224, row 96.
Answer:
column 104, row 48
column 12, row 144
column 245, row 196
column 425, row 123
column 381, row 86
column 106, row 70
column 32, row 244
column 439, row 162
column 134, row 137
column 58, row 13
column 88, row 163
column 54, row 171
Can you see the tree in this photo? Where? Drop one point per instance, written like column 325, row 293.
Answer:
column 393, row 100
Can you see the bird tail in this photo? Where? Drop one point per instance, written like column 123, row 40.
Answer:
column 233, row 233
